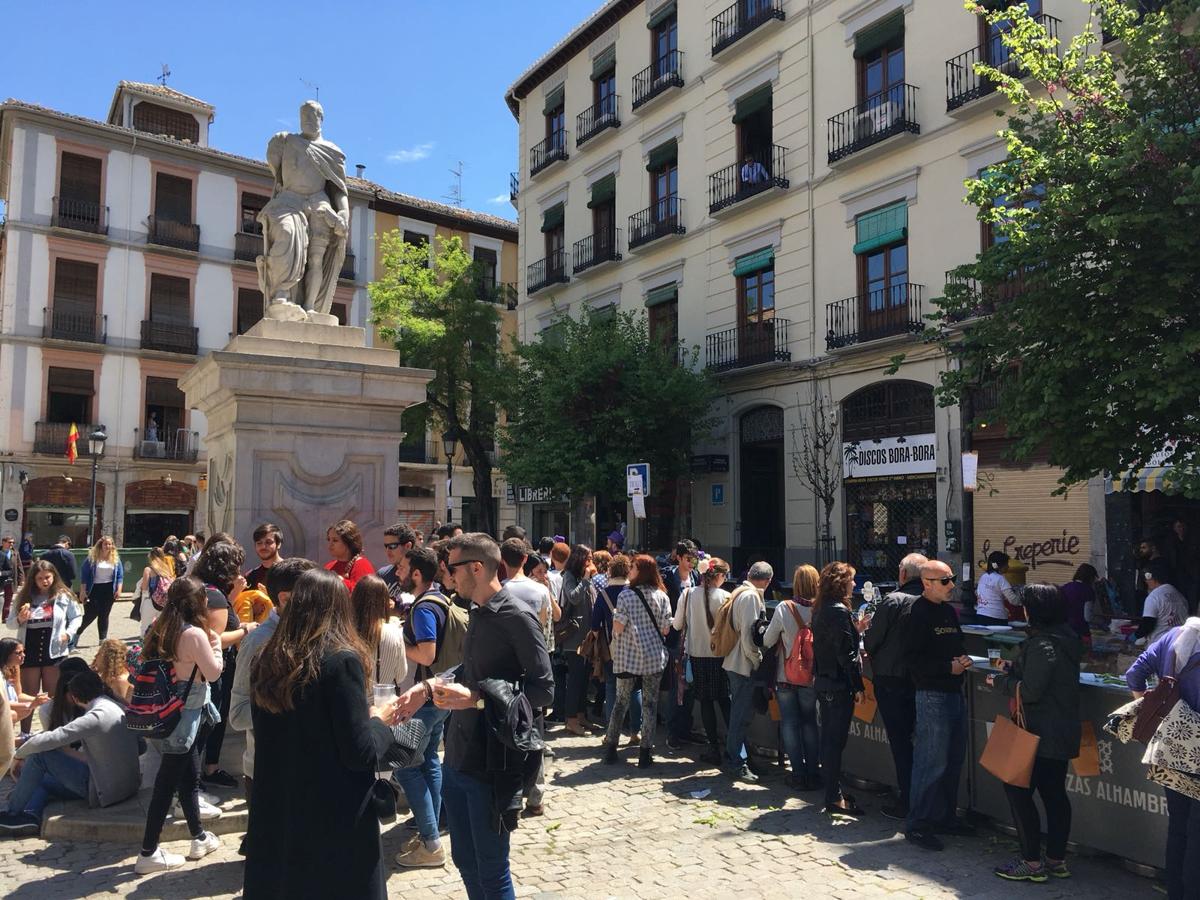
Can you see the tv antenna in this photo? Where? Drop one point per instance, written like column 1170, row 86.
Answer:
column 166, row 73
column 315, row 88
column 455, row 191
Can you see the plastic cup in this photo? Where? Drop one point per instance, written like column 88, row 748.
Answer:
column 994, row 657
column 444, row 678
column 384, row 694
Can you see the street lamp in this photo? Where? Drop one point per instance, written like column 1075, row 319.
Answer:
column 95, row 449
column 450, row 445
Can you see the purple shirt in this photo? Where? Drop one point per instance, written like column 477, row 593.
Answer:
column 1159, row 659
column 1075, row 594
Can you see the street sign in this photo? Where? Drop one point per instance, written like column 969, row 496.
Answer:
column 718, row 494
column 719, row 462
column 640, row 471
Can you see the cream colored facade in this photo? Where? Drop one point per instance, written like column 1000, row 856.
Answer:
column 901, row 150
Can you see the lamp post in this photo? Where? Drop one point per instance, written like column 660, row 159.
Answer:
column 450, row 445
column 95, row 449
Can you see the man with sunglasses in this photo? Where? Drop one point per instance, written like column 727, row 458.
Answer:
column 398, row 539
column 937, row 659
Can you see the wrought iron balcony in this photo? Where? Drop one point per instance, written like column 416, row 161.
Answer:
column 963, row 84
column 62, row 325
column 764, row 170
column 659, row 220
column 514, row 187
column 986, row 299
column 878, row 314
column 247, row 246
column 501, row 294
column 347, row 267
column 876, row 119
column 182, row 444
column 596, row 249
column 169, row 233
column 739, row 20
column 79, row 215
column 421, row 452
column 169, row 337
column 751, row 344
column 547, row 152
column 50, row 438
column 661, row 75
column 595, row 119
column 548, row 271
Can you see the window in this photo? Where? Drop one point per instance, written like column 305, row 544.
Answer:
column 994, row 51
column 486, row 267
column 340, row 312
column 604, row 93
column 663, row 315
column 79, row 178
column 417, row 239
column 173, row 198
column 556, row 119
column 753, row 116
column 888, row 408
column 165, row 401
column 155, row 119
column 252, row 204
column 75, row 286
column 879, row 50
column 249, row 309
column 69, row 395
column 555, row 249
column 664, row 42
column 664, row 182
column 170, row 300
column 756, row 294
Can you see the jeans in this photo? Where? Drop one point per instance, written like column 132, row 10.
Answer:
column 610, row 699
column 798, row 727
column 837, row 708
column 51, row 774
column 422, row 784
column 179, row 774
column 648, row 685
column 533, row 789
column 479, row 852
column 898, row 708
column 741, row 709
column 96, row 609
column 222, row 694
column 575, row 699
column 1050, row 781
column 938, row 753
column 1183, row 846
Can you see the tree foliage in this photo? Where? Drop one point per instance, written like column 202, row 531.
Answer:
column 596, row 394
column 1083, row 316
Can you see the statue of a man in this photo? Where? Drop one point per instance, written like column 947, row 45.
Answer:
column 306, row 223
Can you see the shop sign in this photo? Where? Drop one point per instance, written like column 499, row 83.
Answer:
column 710, row 462
column 10, row 515
column 539, row 495
column 1062, row 549
column 914, row 454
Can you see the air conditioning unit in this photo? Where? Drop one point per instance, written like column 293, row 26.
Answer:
column 877, row 119
column 154, row 450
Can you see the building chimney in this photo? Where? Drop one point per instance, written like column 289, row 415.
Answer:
column 359, row 168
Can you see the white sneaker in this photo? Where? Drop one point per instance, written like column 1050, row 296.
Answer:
column 208, row 811
column 158, row 861
column 210, row 799
column 203, row 845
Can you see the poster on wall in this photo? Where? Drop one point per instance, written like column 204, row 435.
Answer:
column 914, row 454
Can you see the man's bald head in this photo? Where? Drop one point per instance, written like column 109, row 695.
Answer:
column 937, row 581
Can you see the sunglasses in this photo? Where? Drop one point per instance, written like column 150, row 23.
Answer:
column 451, row 566
column 391, row 546
column 949, row 579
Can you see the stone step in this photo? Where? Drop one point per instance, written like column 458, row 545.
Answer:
column 124, row 823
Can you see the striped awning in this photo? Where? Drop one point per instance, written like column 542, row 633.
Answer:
column 1151, row 478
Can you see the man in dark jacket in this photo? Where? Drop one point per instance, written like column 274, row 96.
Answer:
column 60, row 557
column 894, row 692
column 482, row 779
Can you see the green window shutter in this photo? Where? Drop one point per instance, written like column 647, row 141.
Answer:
column 668, row 293
column 754, row 262
column 605, row 315
column 664, row 12
column 877, row 36
column 604, row 63
column 553, row 217
column 758, row 99
column 603, row 191
column 881, row 227
column 554, row 335
column 554, row 100
column 661, row 155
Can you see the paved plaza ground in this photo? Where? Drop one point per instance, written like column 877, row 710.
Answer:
column 621, row 832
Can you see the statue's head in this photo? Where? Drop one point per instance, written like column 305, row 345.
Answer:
column 311, row 115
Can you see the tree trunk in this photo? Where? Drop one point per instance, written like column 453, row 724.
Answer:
column 481, row 479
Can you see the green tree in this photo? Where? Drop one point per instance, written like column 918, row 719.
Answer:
column 596, row 394
column 1083, row 316
column 435, row 316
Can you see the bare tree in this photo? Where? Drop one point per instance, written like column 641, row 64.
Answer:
column 817, row 457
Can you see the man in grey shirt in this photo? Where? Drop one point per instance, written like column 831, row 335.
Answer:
column 536, row 596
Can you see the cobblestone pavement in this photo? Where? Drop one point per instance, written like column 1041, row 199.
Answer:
column 621, row 832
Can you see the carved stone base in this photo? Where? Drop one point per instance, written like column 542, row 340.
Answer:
column 286, row 311
column 322, row 318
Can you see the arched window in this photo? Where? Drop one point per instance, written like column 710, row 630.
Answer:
column 888, row 408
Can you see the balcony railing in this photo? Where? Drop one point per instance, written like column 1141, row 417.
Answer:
column 751, row 344
column 548, row 271
column 79, row 215
column 548, row 151
column 876, row 119
column 169, row 233
column 595, row 249
column 663, row 218
column 663, row 74
column 169, row 337
column 183, row 445
column 421, row 452
column 62, row 325
column 1140, row 7
column 595, row 119
column 986, row 299
column 878, row 314
column 742, row 18
column 764, row 170
column 501, row 294
column 50, row 438
column 347, row 267
column 514, row 187
column 247, row 246
column 963, row 84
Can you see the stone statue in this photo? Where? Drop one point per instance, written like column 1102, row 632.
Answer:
column 305, row 224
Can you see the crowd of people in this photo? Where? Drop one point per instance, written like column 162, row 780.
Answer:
column 488, row 645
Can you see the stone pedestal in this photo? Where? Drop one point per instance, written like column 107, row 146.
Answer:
column 303, row 430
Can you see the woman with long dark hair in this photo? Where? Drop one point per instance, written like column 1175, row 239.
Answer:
column 346, row 548
column 315, row 729
column 1077, row 595
column 837, row 678
column 372, row 605
column 47, row 620
column 577, row 597
column 20, row 704
column 695, row 615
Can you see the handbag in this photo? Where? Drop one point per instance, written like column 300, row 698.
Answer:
column 1087, row 763
column 1176, row 743
column 409, row 742
column 1011, row 750
column 383, row 799
column 1156, row 704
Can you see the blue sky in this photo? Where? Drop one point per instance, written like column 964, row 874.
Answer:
column 409, row 88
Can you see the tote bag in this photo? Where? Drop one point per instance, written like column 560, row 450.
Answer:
column 1010, row 749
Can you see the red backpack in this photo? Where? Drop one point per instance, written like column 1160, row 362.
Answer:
column 798, row 666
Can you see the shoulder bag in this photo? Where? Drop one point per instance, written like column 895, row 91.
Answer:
column 1156, row 704
column 1011, row 749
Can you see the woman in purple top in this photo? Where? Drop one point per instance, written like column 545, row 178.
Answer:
column 1170, row 655
column 1077, row 593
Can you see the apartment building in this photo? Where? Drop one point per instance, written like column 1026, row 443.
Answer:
column 780, row 183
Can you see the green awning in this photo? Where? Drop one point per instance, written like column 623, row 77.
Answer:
column 881, row 227
column 603, row 191
column 554, row 100
column 877, row 36
column 661, row 155
column 553, row 217
column 755, row 101
column 754, row 262
column 604, row 63
column 668, row 293
column 664, row 12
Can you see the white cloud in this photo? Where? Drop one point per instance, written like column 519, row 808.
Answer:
column 499, row 198
column 412, row 154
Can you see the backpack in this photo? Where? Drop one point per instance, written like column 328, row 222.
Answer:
column 724, row 636
column 158, row 593
column 798, row 666
column 454, row 632
column 156, row 705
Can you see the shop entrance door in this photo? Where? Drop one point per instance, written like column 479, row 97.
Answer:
column 760, row 487
column 886, row 520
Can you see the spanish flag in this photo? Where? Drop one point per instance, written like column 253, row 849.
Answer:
column 72, row 438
